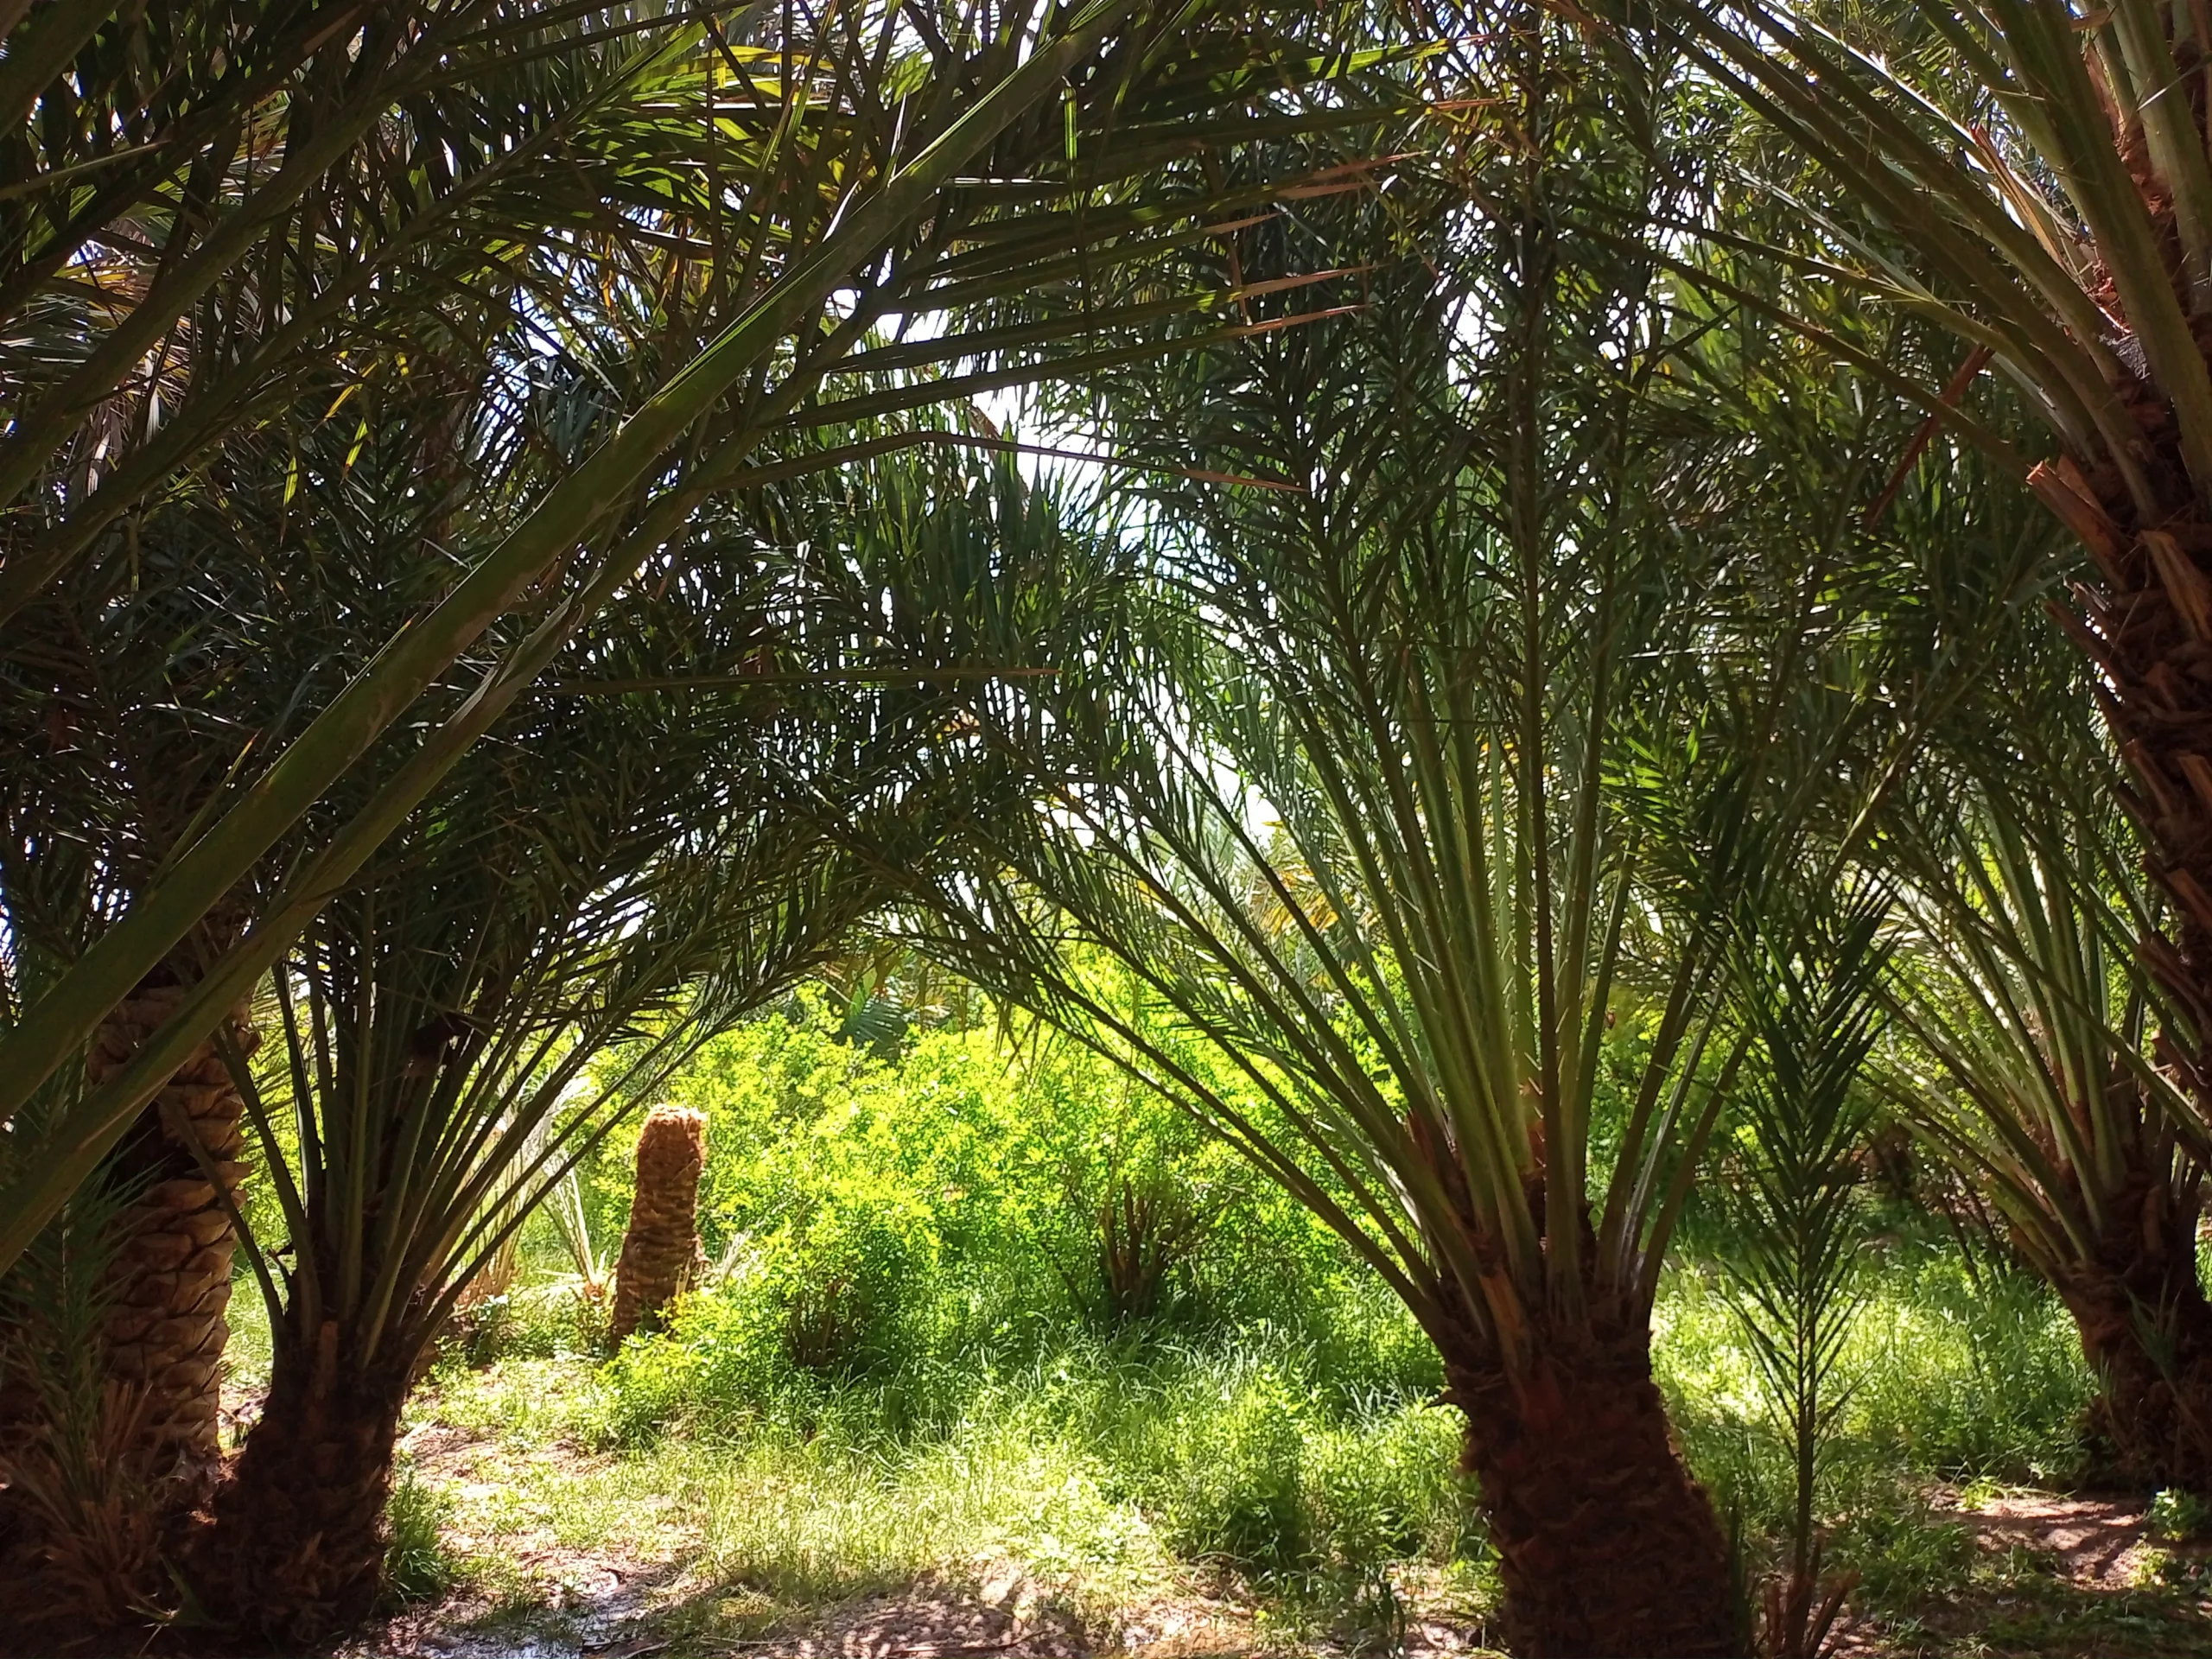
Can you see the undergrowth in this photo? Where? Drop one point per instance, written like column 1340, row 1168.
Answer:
column 902, row 1366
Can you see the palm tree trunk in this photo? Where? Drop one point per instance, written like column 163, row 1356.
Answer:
column 660, row 1246
column 1606, row 1543
column 172, row 1286
column 2149, row 628
column 2146, row 1331
column 296, row 1552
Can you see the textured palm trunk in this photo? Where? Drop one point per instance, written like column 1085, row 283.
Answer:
column 2146, row 1332
column 101, row 1484
column 2139, row 1305
column 1606, row 1544
column 166, row 1332
column 296, row 1551
column 660, row 1246
column 2148, row 625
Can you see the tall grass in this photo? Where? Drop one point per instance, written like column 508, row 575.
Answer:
column 1246, row 1453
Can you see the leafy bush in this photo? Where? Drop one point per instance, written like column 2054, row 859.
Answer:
column 1238, row 1456
column 2180, row 1515
column 1230, row 1481
column 1959, row 1379
column 880, row 1211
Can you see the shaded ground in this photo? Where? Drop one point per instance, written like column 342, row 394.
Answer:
column 564, row 1552
column 2032, row 1574
column 926, row 1621
column 2093, row 1543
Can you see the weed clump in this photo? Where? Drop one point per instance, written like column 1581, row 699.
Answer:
column 417, row 1567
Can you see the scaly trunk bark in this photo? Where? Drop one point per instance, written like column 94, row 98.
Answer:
column 101, row 1484
column 2149, row 628
column 172, row 1286
column 2146, row 1331
column 660, row 1246
column 296, row 1551
column 2146, row 622
column 1606, row 1544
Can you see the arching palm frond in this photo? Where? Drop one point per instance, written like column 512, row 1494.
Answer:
column 877, row 191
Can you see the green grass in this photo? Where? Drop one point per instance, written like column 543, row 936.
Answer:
column 246, row 1357
column 416, row 1564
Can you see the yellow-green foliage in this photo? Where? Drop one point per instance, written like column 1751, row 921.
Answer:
column 871, row 1213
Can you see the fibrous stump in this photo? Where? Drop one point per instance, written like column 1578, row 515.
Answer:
column 660, row 1248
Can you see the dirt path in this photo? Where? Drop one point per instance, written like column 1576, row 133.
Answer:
column 574, row 1553
column 2043, row 1574
column 2094, row 1543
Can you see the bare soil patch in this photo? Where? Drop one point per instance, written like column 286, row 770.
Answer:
column 2095, row 1542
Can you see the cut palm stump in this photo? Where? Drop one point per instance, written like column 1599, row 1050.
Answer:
column 660, row 1248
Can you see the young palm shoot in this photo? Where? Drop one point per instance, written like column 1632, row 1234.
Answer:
column 1807, row 996
column 570, row 1213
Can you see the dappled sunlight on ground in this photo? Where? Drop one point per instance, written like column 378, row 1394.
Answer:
column 2093, row 1543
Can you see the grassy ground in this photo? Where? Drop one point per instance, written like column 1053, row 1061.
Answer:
column 1181, row 1502
column 1216, row 1495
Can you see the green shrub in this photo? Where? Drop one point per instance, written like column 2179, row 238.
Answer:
column 1959, row 1380
column 884, row 1214
column 1238, row 1456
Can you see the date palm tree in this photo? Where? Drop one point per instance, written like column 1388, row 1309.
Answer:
column 2032, row 176
column 2049, row 1065
column 1808, row 980
column 1424, row 790
column 211, row 200
column 628, row 860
